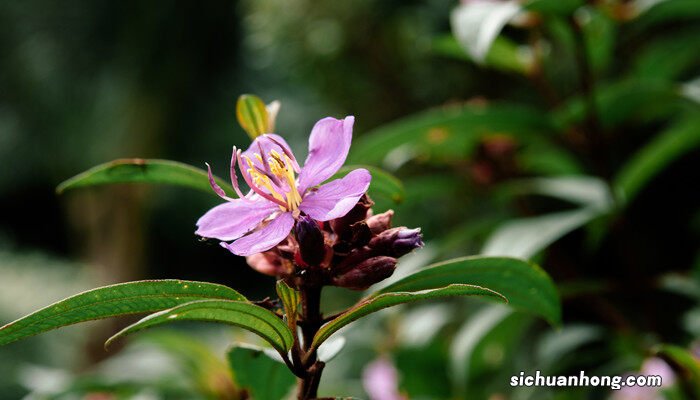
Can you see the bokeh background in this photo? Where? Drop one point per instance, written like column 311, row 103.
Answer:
column 571, row 88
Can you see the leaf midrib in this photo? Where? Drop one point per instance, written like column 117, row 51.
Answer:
column 59, row 314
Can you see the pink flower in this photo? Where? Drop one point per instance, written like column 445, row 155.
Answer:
column 381, row 380
column 263, row 218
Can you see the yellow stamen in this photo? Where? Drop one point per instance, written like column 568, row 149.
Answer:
column 281, row 167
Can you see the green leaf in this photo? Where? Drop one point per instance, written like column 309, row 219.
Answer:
column 138, row 170
column 264, row 378
column 526, row 286
column 653, row 14
column 493, row 326
column 504, row 54
column 691, row 90
column 252, row 115
column 668, row 57
column 198, row 361
column 669, row 145
column 446, row 134
column 290, row 301
column 385, row 187
column 622, row 102
column 600, row 34
column 246, row 315
column 543, row 157
column 554, row 347
column 386, row 299
column 582, row 190
column 114, row 300
column 554, row 7
column 525, row 237
column 476, row 25
column 330, row 348
column 685, row 365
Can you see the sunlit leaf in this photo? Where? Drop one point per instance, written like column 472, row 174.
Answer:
column 556, row 345
column 526, row 286
column 246, row 315
column 330, row 348
column 691, row 90
column 476, row 24
column 468, row 337
column 420, row 325
column 138, row 170
column 587, row 191
column 385, row 299
column 110, row 301
column 262, row 377
column 526, row 237
column 484, row 345
column 290, row 301
column 677, row 140
column 503, row 55
column 252, row 115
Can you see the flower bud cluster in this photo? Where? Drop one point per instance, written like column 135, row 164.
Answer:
column 354, row 251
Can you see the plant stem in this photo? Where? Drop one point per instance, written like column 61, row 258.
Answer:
column 312, row 321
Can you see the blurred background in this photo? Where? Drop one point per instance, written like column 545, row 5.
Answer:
column 566, row 132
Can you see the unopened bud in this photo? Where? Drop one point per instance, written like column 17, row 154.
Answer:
column 380, row 222
column 367, row 273
column 397, row 242
column 341, row 226
column 312, row 248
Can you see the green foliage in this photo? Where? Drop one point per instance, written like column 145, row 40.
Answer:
column 526, row 286
column 383, row 300
column 446, row 134
column 138, row 170
column 504, row 54
column 237, row 313
column 549, row 133
column 115, row 300
column 252, row 115
column 290, row 299
column 262, row 377
column 678, row 139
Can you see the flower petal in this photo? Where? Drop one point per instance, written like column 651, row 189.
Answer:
column 336, row 198
column 234, row 219
column 267, row 142
column 329, row 144
column 264, row 238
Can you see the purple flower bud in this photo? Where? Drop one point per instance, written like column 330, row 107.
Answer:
column 397, row 242
column 407, row 240
column 312, row 248
column 367, row 273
